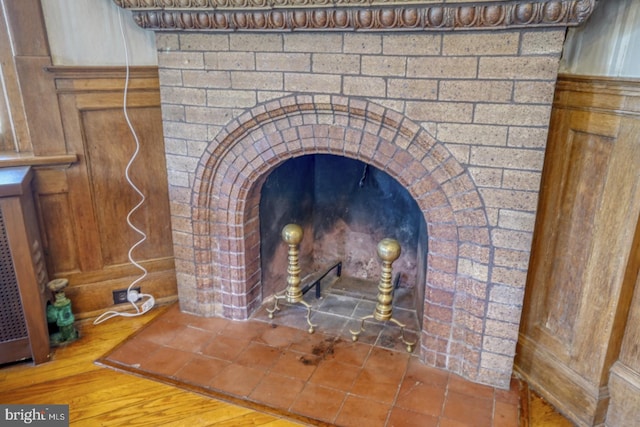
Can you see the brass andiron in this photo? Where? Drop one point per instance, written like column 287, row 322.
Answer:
column 388, row 251
column 292, row 236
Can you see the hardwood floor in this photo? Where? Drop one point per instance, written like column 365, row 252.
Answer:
column 537, row 412
column 104, row 397
column 99, row 396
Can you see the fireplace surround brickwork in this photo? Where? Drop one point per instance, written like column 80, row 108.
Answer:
column 457, row 292
column 458, row 118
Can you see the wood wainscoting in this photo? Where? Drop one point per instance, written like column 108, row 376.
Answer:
column 624, row 382
column 83, row 206
column 584, row 261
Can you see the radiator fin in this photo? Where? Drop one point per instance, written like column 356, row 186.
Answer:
column 12, row 322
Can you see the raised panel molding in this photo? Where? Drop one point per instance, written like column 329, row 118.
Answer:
column 624, row 382
column 52, row 188
column 108, row 148
column 579, row 290
column 624, row 409
column 583, row 171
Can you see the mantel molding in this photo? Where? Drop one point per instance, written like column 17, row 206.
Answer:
column 353, row 15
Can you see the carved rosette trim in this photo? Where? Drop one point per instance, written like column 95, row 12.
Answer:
column 345, row 15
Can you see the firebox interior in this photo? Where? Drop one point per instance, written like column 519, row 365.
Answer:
column 345, row 207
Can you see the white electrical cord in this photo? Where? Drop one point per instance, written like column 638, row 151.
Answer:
column 133, row 296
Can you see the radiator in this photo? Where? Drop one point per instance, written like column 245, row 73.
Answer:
column 23, row 276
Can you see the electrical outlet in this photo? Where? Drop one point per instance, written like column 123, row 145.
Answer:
column 120, row 295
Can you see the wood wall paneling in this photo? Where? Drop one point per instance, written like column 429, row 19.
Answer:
column 630, row 350
column 624, row 386
column 578, row 294
column 84, row 207
column 52, row 188
column 624, row 382
column 39, row 97
column 30, row 89
column 108, row 148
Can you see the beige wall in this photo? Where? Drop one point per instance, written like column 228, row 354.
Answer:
column 608, row 44
column 87, row 32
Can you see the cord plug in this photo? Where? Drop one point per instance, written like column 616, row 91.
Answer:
column 148, row 304
column 133, row 296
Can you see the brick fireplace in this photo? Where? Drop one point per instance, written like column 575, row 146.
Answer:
column 450, row 99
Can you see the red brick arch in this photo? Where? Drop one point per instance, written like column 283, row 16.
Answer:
column 225, row 199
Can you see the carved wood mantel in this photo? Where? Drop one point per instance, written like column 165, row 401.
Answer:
column 354, row 15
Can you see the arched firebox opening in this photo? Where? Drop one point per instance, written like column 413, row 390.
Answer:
column 345, row 208
column 222, row 274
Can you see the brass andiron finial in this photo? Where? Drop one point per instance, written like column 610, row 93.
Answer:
column 292, row 236
column 388, row 251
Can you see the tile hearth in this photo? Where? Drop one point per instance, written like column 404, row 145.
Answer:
column 318, row 379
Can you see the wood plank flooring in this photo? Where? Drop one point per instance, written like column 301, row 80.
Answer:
column 103, row 397
column 99, row 396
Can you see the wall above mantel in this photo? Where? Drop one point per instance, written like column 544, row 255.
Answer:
column 354, row 15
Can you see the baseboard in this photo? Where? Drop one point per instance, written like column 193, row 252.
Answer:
column 90, row 300
column 583, row 403
column 624, row 407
